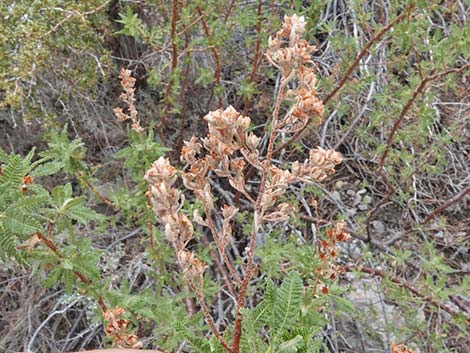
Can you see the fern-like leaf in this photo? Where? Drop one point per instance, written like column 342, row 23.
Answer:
column 286, row 306
column 291, row 346
column 7, row 241
column 12, row 172
column 200, row 345
column 20, row 223
column 29, row 204
column 46, row 169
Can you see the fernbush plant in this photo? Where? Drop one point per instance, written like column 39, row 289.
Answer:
column 231, row 151
column 228, row 265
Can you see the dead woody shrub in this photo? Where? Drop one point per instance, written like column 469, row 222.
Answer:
column 227, row 152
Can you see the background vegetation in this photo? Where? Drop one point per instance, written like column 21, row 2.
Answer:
column 394, row 78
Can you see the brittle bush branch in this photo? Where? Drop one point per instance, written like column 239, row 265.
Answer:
column 257, row 218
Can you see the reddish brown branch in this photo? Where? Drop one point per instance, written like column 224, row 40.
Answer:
column 408, row 286
column 50, row 244
column 256, row 58
column 174, row 66
column 220, row 247
column 408, row 105
column 447, row 204
column 229, row 10
column 92, row 188
column 216, row 259
column 257, row 219
column 215, row 54
column 209, row 319
column 363, row 52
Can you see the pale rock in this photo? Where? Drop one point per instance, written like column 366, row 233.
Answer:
column 378, row 226
column 336, row 195
column 363, row 207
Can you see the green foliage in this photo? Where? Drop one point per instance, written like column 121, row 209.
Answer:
column 40, row 37
column 27, row 208
column 140, row 153
column 69, row 153
column 279, row 316
column 21, row 204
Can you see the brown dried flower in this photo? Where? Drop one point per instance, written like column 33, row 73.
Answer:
column 291, row 55
column 128, row 97
column 232, row 152
column 116, row 328
column 320, row 164
column 327, row 268
column 166, row 202
column 399, row 348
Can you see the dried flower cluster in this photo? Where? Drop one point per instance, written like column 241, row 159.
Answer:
column 328, row 269
column 399, row 348
column 291, row 55
column 228, row 152
column 320, row 164
column 128, row 97
column 166, row 202
column 27, row 180
column 116, row 328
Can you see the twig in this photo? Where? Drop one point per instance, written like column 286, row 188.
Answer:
column 408, row 105
column 364, row 51
column 256, row 57
column 216, row 259
column 215, row 54
column 408, row 286
column 220, row 246
column 174, row 66
column 229, row 10
column 71, row 14
column 447, row 204
column 92, row 188
column 257, row 219
column 209, row 319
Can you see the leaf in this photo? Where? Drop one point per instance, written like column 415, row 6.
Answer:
column 46, row 169
column 342, row 304
column 20, row 223
column 69, row 280
column 286, row 305
column 12, row 171
column 29, row 204
column 292, row 345
column 7, row 241
column 199, row 344
column 53, row 278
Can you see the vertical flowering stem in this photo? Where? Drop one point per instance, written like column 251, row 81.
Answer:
column 257, row 219
column 209, row 319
